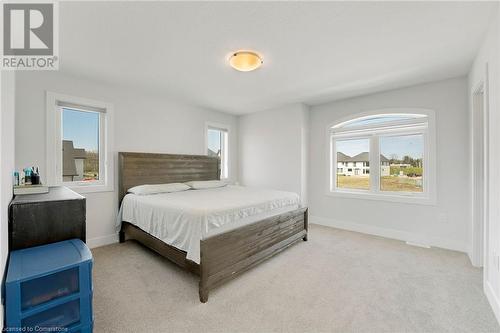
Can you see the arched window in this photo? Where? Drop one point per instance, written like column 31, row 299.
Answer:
column 384, row 155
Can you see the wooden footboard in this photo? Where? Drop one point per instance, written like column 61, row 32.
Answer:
column 225, row 256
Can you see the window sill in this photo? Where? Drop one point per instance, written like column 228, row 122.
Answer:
column 409, row 199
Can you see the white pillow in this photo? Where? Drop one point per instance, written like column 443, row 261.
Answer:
column 203, row 184
column 158, row 188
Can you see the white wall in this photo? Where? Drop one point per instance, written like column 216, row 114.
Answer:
column 142, row 122
column 489, row 57
column 445, row 224
column 7, row 96
column 273, row 149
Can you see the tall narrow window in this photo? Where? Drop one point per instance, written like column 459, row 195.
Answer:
column 217, row 145
column 80, row 145
column 384, row 156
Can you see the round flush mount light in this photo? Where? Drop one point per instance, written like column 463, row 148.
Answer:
column 245, row 61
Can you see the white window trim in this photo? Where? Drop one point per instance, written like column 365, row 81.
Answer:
column 54, row 143
column 224, row 127
column 429, row 197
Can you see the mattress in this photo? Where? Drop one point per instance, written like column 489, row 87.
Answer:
column 182, row 219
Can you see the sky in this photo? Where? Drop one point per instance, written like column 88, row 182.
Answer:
column 213, row 140
column 82, row 128
column 411, row 145
column 378, row 120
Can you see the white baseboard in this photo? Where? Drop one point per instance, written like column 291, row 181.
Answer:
column 473, row 259
column 390, row 233
column 493, row 299
column 103, row 240
column 425, row 246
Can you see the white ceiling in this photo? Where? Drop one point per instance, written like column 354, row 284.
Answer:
column 313, row 52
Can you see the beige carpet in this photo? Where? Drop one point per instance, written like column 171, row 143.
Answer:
column 338, row 281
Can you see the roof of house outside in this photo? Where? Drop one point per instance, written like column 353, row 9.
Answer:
column 361, row 157
column 212, row 153
column 79, row 153
column 341, row 157
column 69, row 155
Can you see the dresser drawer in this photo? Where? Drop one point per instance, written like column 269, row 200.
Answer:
column 60, row 316
column 50, row 287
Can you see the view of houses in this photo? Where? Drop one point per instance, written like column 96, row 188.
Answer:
column 212, row 153
column 79, row 164
column 353, row 172
column 359, row 165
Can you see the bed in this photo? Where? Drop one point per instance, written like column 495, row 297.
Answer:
column 216, row 233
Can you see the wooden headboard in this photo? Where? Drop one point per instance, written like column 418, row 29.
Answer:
column 148, row 168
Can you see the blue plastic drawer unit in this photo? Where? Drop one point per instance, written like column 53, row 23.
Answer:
column 49, row 288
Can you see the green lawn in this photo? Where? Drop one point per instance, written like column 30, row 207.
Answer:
column 90, row 176
column 388, row 183
column 404, row 184
column 353, row 182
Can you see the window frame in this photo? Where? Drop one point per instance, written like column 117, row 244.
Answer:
column 424, row 125
column 225, row 164
column 55, row 104
column 333, row 158
column 102, row 145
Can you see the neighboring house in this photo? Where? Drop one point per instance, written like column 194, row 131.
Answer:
column 79, row 155
column 213, row 153
column 72, row 162
column 359, row 165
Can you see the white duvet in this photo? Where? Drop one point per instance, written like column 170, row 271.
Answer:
column 182, row 219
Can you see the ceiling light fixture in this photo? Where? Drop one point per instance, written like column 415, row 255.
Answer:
column 245, row 61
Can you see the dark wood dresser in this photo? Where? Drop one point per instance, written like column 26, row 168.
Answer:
column 37, row 219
